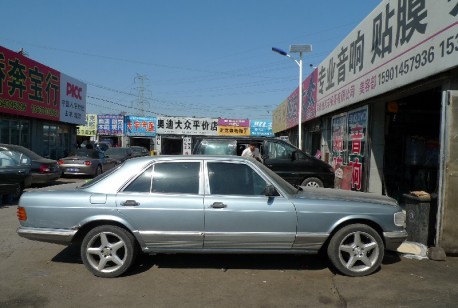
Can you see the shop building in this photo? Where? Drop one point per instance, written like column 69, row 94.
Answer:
column 39, row 106
column 382, row 108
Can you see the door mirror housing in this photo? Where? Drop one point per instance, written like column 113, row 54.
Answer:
column 271, row 191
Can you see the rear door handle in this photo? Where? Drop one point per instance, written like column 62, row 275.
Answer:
column 130, row 203
column 218, row 205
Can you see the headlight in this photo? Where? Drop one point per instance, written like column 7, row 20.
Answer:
column 400, row 219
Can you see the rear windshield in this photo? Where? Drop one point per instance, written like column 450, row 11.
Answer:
column 217, row 147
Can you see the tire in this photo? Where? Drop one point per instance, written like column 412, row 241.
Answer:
column 108, row 251
column 356, row 250
column 312, row 182
column 18, row 190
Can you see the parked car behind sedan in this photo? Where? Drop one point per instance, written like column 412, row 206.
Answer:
column 120, row 153
column 43, row 170
column 138, row 151
column 210, row 204
column 14, row 172
column 292, row 164
column 86, row 162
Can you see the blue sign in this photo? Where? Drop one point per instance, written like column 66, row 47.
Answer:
column 140, row 126
column 261, row 128
column 111, row 125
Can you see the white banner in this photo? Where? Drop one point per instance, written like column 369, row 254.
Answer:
column 187, row 126
column 72, row 100
column 400, row 42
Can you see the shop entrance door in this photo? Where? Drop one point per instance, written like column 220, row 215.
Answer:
column 447, row 214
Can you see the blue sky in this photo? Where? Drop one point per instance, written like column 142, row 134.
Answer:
column 202, row 58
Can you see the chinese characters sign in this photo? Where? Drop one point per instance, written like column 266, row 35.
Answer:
column 400, row 42
column 90, row 129
column 111, row 125
column 349, row 135
column 31, row 89
column 308, row 102
column 140, row 126
column 187, row 126
column 233, row 127
column 73, row 100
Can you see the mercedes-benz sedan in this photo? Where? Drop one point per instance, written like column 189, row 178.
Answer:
column 210, row 204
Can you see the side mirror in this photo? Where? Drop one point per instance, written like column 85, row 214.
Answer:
column 293, row 155
column 271, row 191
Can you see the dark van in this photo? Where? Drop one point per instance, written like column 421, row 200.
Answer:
column 292, row 164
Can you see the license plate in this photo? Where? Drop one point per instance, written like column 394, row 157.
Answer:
column 73, row 169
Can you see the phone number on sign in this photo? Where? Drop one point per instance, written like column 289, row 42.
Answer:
column 415, row 62
column 447, row 47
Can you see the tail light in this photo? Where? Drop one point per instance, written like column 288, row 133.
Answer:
column 87, row 163
column 60, row 162
column 44, row 169
column 21, row 214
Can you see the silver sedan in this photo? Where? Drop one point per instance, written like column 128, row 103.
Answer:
column 210, row 204
column 86, row 162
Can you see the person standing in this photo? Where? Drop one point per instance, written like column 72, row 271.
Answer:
column 253, row 152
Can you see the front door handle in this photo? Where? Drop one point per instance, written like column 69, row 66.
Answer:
column 218, row 205
column 130, row 203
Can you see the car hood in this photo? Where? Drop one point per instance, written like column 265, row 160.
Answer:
column 344, row 195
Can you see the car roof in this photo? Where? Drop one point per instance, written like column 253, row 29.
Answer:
column 189, row 158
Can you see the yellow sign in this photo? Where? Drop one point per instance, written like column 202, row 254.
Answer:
column 233, row 131
column 90, row 129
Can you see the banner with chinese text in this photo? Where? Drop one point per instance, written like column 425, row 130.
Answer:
column 110, row 125
column 90, row 129
column 31, row 89
column 187, row 126
column 140, row 126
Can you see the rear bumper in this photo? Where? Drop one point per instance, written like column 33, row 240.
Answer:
column 43, row 178
column 55, row 236
column 394, row 239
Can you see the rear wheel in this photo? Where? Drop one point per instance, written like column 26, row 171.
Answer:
column 108, row 251
column 356, row 250
column 312, row 182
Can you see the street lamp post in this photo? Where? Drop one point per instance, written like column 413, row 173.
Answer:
column 297, row 49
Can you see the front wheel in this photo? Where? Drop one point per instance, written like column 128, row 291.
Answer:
column 108, row 251
column 356, row 250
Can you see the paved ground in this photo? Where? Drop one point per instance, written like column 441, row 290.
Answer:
column 34, row 274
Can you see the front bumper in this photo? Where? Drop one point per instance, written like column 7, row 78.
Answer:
column 55, row 236
column 394, row 239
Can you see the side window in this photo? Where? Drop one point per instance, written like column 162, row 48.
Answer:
column 234, row 179
column 176, row 177
column 142, row 183
column 13, row 158
column 280, row 150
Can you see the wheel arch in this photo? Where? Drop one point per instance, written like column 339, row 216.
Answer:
column 85, row 228
column 365, row 221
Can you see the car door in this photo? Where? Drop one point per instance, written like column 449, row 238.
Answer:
column 165, row 204
column 279, row 158
column 237, row 213
column 289, row 162
column 14, row 171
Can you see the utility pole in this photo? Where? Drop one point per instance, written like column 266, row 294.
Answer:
column 141, row 101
